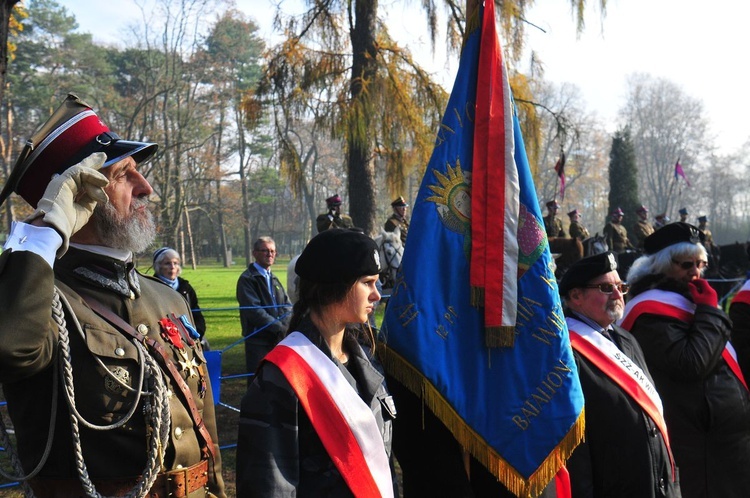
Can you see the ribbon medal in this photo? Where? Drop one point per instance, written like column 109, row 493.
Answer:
column 170, row 333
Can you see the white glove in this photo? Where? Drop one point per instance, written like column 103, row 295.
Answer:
column 70, row 198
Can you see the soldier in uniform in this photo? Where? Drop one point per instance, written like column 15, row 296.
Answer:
column 552, row 224
column 398, row 218
column 96, row 358
column 333, row 218
column 683, row 214
column 576, row 229
column 616, row 234
column 713, row 250
column 643, row 227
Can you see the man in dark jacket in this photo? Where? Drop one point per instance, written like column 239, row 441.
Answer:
column 673, row 314
column 87, row 342
column 264, row 306
column 623, row 409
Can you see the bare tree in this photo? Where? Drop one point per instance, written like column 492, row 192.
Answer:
column 666, row 125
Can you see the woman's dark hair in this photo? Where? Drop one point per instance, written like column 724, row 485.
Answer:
column 314, row 296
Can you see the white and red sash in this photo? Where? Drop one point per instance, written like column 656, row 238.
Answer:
column 671, row 304
column 743, row 295
column 622, row 371
column 345, row 424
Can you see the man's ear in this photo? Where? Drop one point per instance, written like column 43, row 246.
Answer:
column 575, row 294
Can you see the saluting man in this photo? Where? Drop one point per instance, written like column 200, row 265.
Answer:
column 333, row 218
column 133, row 407
column 643, row 227
column 576, row 229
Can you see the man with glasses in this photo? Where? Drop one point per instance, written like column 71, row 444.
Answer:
column 623, row 409
column 672, row 312
column 265, row 310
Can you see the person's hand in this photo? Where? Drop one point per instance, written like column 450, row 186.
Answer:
column 703, row 293
column 70, row 198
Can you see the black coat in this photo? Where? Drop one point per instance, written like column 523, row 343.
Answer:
column 706, row 407
column 279, row 452
column 624, row 454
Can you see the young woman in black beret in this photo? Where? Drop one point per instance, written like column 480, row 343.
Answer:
column 316, row 420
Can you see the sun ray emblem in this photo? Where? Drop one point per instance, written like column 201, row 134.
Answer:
column 452, row 198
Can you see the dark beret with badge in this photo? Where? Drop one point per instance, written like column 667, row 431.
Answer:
column 671, row 234
column 585, row 270
column 338, row 255
column 71, row 134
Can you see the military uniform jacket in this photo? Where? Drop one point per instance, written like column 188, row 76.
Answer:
column 624, row 454
column 252, row 291
column 577, row 230
column 617, row 237
column 28, row 356
column 642, row 230
column 325, row 221
column 706, row 407
column 278, row 451
column 553, row 226
column 396, row 221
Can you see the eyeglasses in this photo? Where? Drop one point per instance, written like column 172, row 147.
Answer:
column 687, row 265
column 607, row 288
column 267, row 251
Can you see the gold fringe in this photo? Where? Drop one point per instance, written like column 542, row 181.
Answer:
column 532, row 487
column 476, row 296
column 500, row 337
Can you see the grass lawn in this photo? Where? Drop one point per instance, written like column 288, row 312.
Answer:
column 215, row 287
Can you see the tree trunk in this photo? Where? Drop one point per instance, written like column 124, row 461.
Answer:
column 5, row 11
column 361, row 178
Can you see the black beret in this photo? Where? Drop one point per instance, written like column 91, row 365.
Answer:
column 585, row 270
column 338, row 255
column 671, row 234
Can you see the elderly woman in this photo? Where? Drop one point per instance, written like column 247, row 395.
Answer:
column 674, row 316
column 316, row 421
column 168, row 268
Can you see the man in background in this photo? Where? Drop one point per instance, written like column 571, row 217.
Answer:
column 333, row 217
column 265, row 310
column 398, row 218
column 552, row 224
column 643, row 227
column 576, row 229
column 616, row 234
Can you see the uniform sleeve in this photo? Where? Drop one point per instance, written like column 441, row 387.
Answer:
column 268, row 439
column 28, row 335
column 683, row 351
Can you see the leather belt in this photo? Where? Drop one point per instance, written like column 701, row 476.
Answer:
column 178, row 483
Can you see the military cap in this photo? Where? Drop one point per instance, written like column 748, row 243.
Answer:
column 702, row 219
column 399, row 202
column 642, row 209
column 552, row 204
column 338, row 255
column 661, row 216
column 334, row 200
column 671, row 234
column 71, row 134
column 683, row 211
column 573, row 213
column 617, row 212
column 585, row 270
